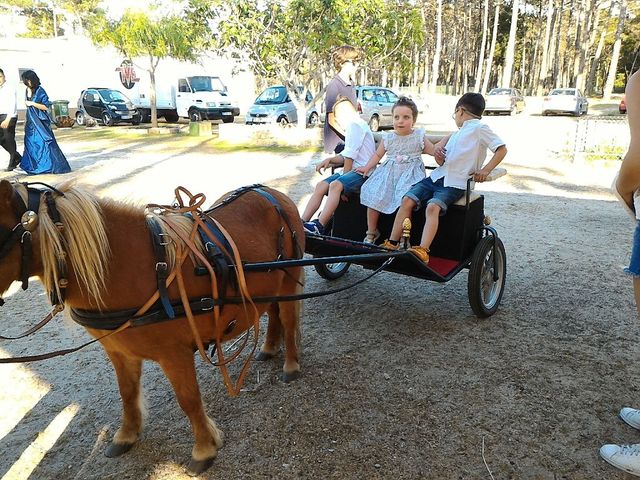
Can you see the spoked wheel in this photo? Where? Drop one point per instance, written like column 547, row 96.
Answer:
column 332, row 271
column 80, row 118
column 487, row 275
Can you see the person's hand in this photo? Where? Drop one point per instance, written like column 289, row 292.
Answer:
column 5, row 123
column 28, row 103
column 481, row 175
column 440, row 154
column 323, row 165
column 362, row 171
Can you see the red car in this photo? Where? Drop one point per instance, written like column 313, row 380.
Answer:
column 622, row 108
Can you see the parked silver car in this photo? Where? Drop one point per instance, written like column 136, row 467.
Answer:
column 565, row 100
column 504, row 100
column 274, row 105
column 374, row 106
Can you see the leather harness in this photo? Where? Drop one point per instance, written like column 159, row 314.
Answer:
column 220, row 259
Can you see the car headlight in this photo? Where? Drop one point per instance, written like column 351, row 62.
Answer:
column 212, row 104
column 113, row 107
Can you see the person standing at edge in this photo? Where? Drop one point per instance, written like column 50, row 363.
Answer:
column 627, row 188
column 8, row 120
column 345, row 61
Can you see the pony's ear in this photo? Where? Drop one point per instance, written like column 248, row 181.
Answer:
column 6, row 191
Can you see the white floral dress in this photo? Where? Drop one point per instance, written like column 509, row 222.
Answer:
column 388, row 183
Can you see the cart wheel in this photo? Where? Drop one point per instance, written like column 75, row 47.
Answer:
column 331, row 271
column 485, row 293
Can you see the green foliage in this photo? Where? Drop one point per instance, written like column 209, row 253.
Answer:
column 136, row 34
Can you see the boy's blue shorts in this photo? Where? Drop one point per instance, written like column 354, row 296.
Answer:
column 634, row 263
column 351, row 181
column 427, row 191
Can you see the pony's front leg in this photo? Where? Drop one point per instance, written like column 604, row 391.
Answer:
column 180, row 369
column 128, row 372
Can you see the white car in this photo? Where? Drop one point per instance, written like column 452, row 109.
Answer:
column 565, row 100
column 504, row 100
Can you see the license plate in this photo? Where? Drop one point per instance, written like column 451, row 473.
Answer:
column 227, row 113
column 125, row 117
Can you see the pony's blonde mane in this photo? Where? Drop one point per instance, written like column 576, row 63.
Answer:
column 83, row 241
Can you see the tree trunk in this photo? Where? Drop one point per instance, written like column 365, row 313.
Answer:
column 152, row 95
column 492, row 50
column 596, row 57
column 436, row 56
column 485, row 20
column 613, row 65
column 425, row 79
column 556, row 51
column 511, row 47
column 588, row 38
column 544, row 71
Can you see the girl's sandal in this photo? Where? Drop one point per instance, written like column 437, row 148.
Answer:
column 372, row 237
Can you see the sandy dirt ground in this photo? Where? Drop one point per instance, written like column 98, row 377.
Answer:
column 399, row 379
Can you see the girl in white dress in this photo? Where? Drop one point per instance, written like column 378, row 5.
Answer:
column 384, row 189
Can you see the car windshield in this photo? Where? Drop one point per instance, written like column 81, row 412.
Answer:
column 500, row 91
column 271, row 96
column 206, row 84
column 563, row 91
column 113, row 96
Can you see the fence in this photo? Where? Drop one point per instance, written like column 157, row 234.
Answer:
column 600, row 138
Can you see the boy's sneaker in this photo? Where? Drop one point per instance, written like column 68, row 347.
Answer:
column 631, row 416
column 624, row 457
column 420, row 252
column 314, row 226
column 389, row 246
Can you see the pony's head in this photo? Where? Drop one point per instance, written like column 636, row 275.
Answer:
column 79, row 239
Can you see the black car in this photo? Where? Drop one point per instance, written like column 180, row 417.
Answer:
column 107, row 106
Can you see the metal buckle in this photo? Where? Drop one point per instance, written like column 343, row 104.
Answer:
column 25, row 234
column 207, row 299
column 161, row 243
column 161, row 265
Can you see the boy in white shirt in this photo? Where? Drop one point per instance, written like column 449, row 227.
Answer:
column 358, row 149
column 463, row 155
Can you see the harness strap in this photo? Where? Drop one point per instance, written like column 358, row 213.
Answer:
column 162, row 269
column 56, row 309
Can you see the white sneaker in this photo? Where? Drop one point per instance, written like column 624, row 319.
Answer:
column 624, row 457
column 631, row 416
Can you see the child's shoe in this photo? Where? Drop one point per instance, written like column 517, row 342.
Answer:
column 314, row 226
column 372, row 236
column 420, row 252
column 390, row 246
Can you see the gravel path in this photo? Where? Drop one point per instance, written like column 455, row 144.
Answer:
column 400, row 380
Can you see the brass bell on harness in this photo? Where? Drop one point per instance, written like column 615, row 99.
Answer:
column 29, row 220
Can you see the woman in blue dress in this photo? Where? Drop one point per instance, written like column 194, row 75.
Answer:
column 41, row 151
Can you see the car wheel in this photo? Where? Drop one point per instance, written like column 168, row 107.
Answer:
column 80, row 118
column 195, row 116
column 171, row 117
column 283, row 121
column 107, row 119
column 374, row 123
column 136, row 120
column 313, row 119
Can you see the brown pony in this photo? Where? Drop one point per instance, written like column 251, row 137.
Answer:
column 111, row 266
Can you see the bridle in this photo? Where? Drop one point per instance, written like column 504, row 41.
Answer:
column 21, row 233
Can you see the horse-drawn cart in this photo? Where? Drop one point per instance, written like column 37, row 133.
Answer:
column 464, row 241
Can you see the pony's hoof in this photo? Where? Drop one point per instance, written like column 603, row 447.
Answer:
column 117, row 449
column 263, row 356
column 290, row 376
column 196, row 467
